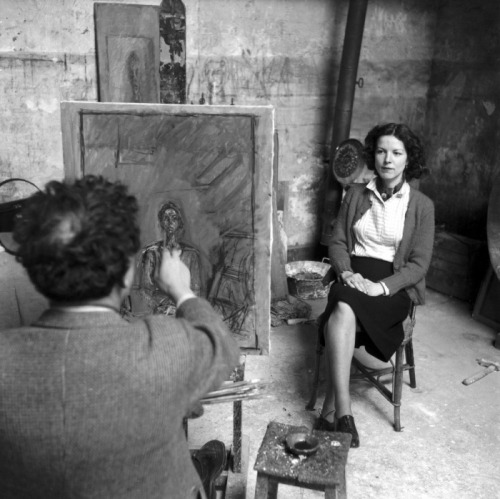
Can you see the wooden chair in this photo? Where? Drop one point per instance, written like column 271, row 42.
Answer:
column 403, row 361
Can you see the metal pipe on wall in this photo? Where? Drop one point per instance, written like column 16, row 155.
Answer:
column 343, row 107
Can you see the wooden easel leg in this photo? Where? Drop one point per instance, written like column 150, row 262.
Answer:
column 237, row 421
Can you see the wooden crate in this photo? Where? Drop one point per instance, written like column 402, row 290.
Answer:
column 458, row 265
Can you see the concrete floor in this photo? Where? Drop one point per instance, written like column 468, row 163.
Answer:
column 449, row 447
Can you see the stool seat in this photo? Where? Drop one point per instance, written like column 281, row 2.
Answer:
column 323, row 470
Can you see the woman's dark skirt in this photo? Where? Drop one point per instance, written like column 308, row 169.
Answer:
column 380, row 317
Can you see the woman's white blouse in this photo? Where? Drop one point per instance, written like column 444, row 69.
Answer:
column 379, row 231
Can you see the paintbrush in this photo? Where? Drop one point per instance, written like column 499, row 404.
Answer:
column 234, row 391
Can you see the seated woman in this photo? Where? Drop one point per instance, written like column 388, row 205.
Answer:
column 380, row 250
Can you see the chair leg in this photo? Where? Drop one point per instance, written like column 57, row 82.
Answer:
column 411, row 362
column 397, row 387
column 314, row 390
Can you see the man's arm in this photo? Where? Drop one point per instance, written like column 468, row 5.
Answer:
column 204, row 345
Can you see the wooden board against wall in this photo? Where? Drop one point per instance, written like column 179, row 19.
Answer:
column 457, row 266
column 215, row 164
column 493, row 226
column 486, row 309
column 128, row 52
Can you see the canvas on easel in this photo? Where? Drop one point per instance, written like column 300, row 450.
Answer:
column 207, row 168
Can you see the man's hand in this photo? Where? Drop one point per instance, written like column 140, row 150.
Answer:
column 173, row 276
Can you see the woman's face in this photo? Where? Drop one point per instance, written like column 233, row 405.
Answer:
column 390, row 160
column 170, row 220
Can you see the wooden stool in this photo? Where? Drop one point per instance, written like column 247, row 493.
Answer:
column 324, row 470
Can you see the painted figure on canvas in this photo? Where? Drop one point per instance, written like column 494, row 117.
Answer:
column 230, row 293
column 171, row 223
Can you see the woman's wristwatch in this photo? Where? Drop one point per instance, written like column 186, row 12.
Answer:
column 385, row 288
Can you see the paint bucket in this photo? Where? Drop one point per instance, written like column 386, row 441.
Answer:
column 305, row 279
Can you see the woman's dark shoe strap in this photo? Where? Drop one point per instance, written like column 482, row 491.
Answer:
column 345, row 424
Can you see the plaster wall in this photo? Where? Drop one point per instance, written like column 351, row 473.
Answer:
column 288, row 54
column 284, row 53
column 395, row 64
column 47, row 54
column 279, row 53
column 463, row 116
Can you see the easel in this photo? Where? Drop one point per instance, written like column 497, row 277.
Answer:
column 233, row 479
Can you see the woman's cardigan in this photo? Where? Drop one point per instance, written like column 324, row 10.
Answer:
column 412, row 258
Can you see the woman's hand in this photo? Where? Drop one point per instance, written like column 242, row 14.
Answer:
column 373, row 288
column 356, row 281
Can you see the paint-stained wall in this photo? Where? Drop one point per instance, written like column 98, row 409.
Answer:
column 284, row 53
column 288, row 54
column 279, row 53
column 46, row 55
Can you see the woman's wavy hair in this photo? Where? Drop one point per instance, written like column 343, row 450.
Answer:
column 414, row 149
column 76, row 239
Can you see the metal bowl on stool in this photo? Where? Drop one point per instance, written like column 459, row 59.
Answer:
column 301, row 443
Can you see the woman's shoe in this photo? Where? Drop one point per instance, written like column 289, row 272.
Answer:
column 323, row 424
column 345, row 424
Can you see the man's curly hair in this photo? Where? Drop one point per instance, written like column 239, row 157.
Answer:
column 76, row 238
column 414, row 149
